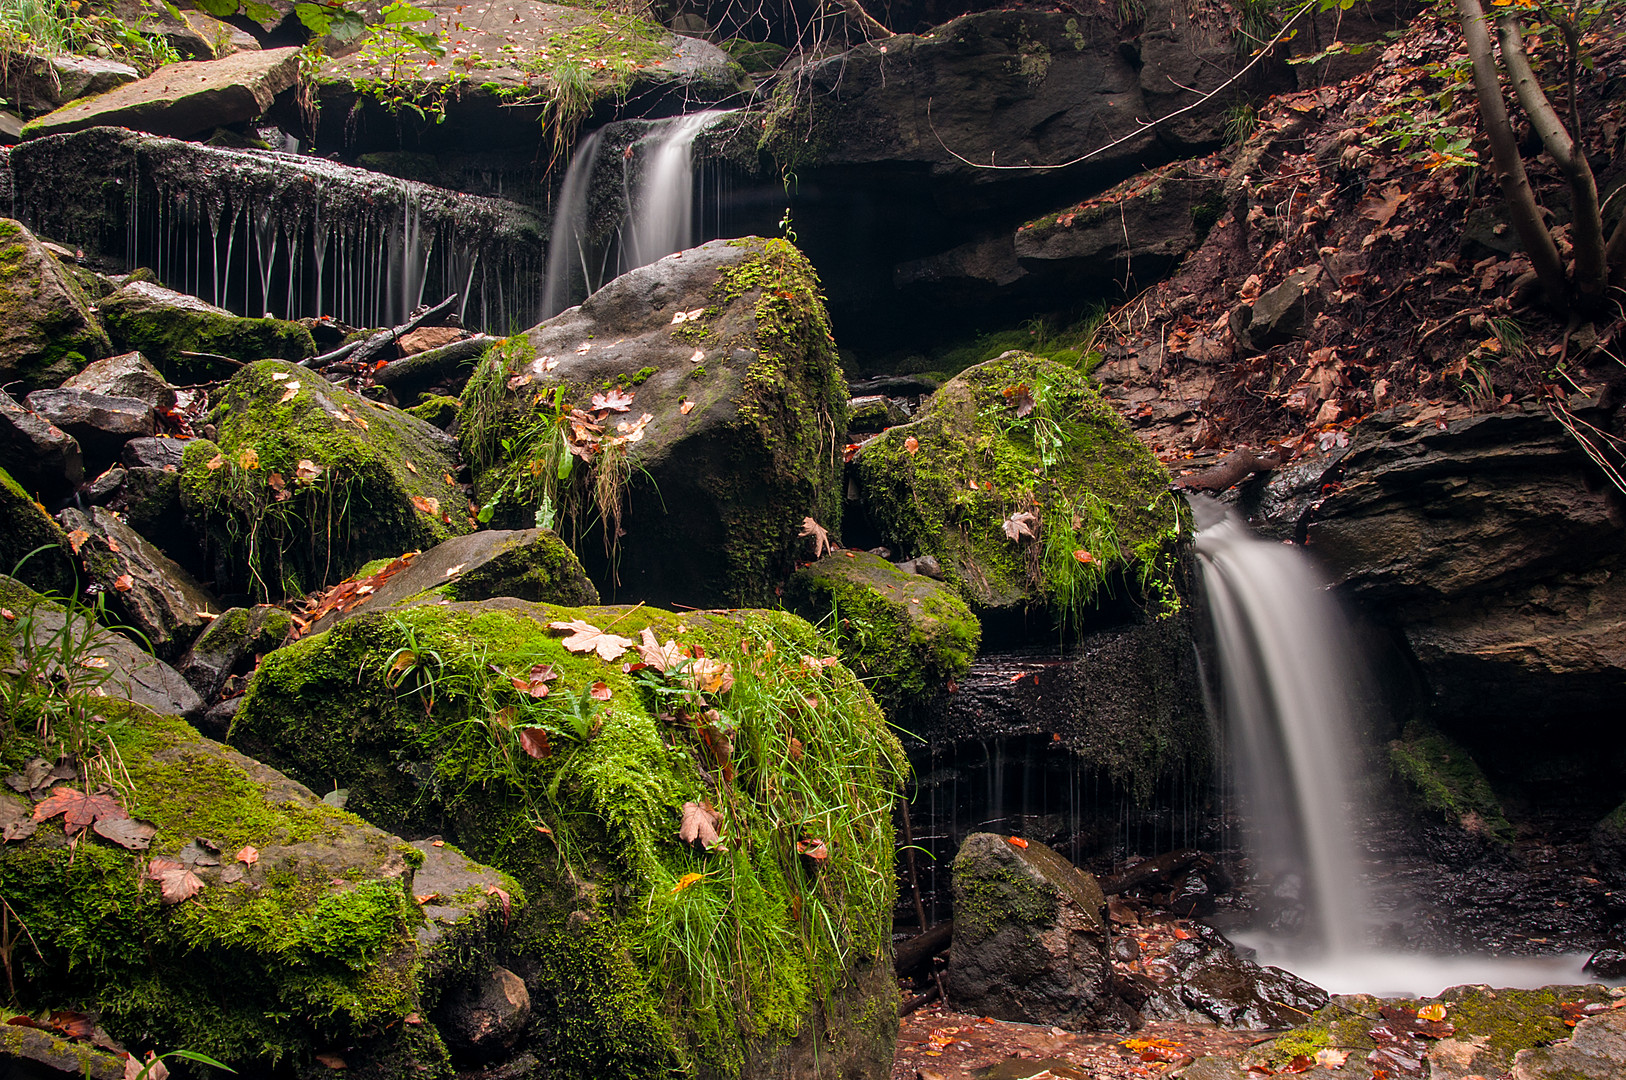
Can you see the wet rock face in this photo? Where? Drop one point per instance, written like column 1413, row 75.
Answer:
column 1030, row 937
column 1597, row 1051
column 47, row 330
column 45, row 460
column 127, row 375
column 101, row 424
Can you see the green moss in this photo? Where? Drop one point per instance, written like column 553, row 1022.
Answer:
column 906, row 633
column 314, row 946
column 1443, row 779
column 648, row 971
column 380, row 487
column 756, row 57
column 1098, row 496
column 162, row 333
column 999, row 894
column 437, row 409
column 28, row 529
column 47, row 330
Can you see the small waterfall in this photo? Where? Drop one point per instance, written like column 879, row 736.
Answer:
column 1287, row 697
column 663, row 211
column 567, row 243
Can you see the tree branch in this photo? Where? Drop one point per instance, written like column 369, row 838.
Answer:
column 1509, row 167
column 867, row 24
column 1586, row 228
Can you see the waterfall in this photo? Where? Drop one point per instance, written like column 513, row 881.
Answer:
column 663, row 212
column 1287, row 697
column 567, row 241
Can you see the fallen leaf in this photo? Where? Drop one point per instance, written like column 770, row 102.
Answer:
column 502, row 898
column 248, row 856
column 75, row 1025
column 535, row 682
column 820, row 535
column 585, row 637
column 175, row 881
column 307, row 470
column 19, row 830
column 288, row 394
column 127, row 832
column 150, row 1069
column 79, row 809
column 1083, row 556
column 600, row 691
column 331, row 1061
column 686, row 407
column 613, row 400
column 795, row 749
column 517, row 381
column 1017, row 841
column 124, row 583
column 1381, row 207
column 699, row 355
column 710, row 676
column 77, row 538
column 429, row 505
column 700, row 822
column 1328, row 1058
column 911, row 444
column 214, row 463
column 813, row 848
column 534, row 741
column 1020, row 524
column 1020, row 396
column 411, row 468
column 249, row 458
column 686, row 880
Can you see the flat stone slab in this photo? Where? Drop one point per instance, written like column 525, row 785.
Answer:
column 182, row 99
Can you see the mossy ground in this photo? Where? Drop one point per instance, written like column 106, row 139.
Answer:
column 905, row 633
column 382, row 485
column 653, row 957
column 313, row 946
column 1099, row 498
column 1443, row 779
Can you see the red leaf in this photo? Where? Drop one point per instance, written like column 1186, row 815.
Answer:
column 123, row 583
column 534, row 741
column 813, row 848
column 175, row 881
column 75, row 1025
column 613, row 401
column 600, row 691
column 80, row 808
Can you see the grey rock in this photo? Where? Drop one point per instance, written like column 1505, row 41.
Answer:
column 40, row 456
column 150, row 500
column 228, row 645
column 37, row 85
column 216, row 720
column 1030, row 937
column 1597, row 1051
column 487, row 1018
column 37, row 1054
column 105, row 487
column 133, row 674
column 101, row 423
column 182, row 99
column 1281, row 313
column 872, row 413
column 127, row 375
column 32, row 545
column 143, row 586
column 1238, row 993
column 153, row 453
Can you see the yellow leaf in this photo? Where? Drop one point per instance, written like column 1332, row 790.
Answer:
column 430, row 506
column 1434, row 1012
column 685, row 881
column 249, row 458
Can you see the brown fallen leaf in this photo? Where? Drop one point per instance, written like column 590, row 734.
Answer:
column 911, row 444
column 502, row 898
column 215, row 462
column 660, row 657
column 150, row 1069
column 613, row 401
column 428, row 505
column 686, row 407
column 330, row 1061
column 585, row 637
column 813, row 848
column 75, row 1025
column 124, row 583
column 248, row 856
column 77, row 538
column 290, row 392
column 79, row 809
column 534, row 741
column 307, row 470
column 127, row 832
column 175, row 881
column 710, row 676
column 1020, row 524
column 820, row 535
column 600, row 691
column 536, row 682
column 249, row 458
column 700, row 823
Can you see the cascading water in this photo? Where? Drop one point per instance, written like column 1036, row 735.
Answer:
column 567, row 241
column 663, row 214
column 1288, row 699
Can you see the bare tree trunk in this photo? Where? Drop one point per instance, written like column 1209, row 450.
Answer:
column 1586, row 230
column 1521, row 201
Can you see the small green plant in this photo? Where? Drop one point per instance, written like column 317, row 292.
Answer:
column 39, row 28
column 397, row 54
column 154, row 1067
column 1241, row 121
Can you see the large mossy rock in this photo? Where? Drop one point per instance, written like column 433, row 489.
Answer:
column 163, row 325
column 1030, row 936
column 907, row 632
column 644, row 955
column 746, row 407
column 310, row 943
column 306, row 482
column 33, row 546
column 47, row 329
column 1016, row 436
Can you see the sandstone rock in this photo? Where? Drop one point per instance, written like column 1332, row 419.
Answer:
column 183, row 99
column 528, row 564
column 429, row 337
column 306, row 482
column 132, row 674
column 47, row 330
column 128, row 375
column 147, row 590
column 163, row 324
column 37, row 85
column 746, row 404
column 100, row 423
column 1030, row 937
column 1597, row 1051
column 43, row 458
column 1281, row 313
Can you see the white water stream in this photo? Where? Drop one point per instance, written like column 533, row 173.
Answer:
column 1288, row 695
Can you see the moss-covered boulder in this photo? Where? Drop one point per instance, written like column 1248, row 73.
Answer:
column 33, row 546
column 47, row 329
column 308, row 942
column 163, row 324
column 1030, row 936
column 1028, row 487
column 1443, row 779
column 905, row 632
column 681, row 424
column 306, row 481
column 645, row 954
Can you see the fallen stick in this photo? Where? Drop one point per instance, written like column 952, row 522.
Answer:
column 363, row 351
column 431, row 364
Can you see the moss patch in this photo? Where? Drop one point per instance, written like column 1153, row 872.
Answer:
column 28, row 528
column 47, row 330
column 652, row 957
column 375, row 482
column 1443, row 779
column 905, row 632
column 948, row 483
column 162, row 326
